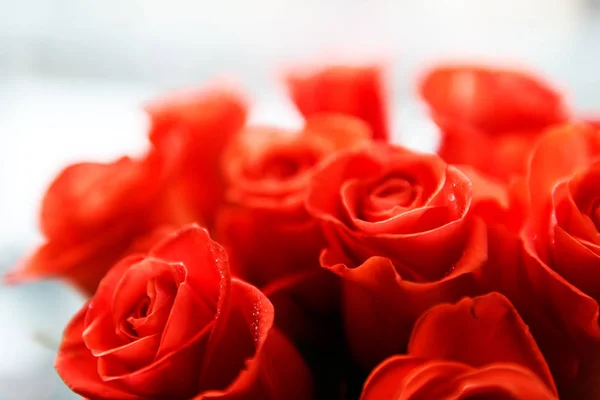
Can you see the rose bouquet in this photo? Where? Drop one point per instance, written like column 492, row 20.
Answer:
column 235, row 261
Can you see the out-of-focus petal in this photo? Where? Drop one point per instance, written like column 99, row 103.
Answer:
column 352, row 90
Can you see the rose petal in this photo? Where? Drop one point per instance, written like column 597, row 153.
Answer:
column 202, row 123
column 411, row 253
column 127, row 358
column 577, row 263
column 162, row 295
column 173, row 375
column 494, row 202
column 583, row 190
column 353, row 90
column 82, row 199
column 462, row 333
column 132, row 287
column 461, row 143
column 495, row 100
column 207, row 269
column 84, row 264
column 370, row 165
column 274, row 370
column 206, row 290
column 200, row 111
column 424, row 173
column 294, row 241
column 189, row 315
column 408, row 377
column 569, row 217
column 380, row 307
column 237, row 336
column 561, row 153
column 78, row 368
column 563, row 320
column 342, row 131
column 322, row 202
column 100, row 332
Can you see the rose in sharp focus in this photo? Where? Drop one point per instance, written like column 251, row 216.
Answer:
column 477, row 348
column 174, row 325
column 353, row 90
column 401, row 238
column 490, row 118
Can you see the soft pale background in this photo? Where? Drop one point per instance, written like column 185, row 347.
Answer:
column 74, row 72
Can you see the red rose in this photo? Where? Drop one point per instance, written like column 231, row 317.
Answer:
column 268, row 172
column 202, row 122
column 353, row 90
column 175, row 325
column 92, row 215
column 490, row 118
column 558, row 288
column 478, row 348
column 272, row 240
column 400, row 237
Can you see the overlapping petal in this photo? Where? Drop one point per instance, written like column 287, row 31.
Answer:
column 353, row 90
column 479, row 347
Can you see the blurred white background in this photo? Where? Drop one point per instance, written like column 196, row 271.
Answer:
column 74, row 72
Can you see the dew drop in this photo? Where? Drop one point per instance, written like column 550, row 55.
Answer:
column 256, row 316
column 450, row 270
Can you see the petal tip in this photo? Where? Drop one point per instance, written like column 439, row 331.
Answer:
column 17, row 276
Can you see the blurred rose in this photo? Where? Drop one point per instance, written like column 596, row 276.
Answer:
column 477, row 348
column 354, row 90
column 93, row 214
column 265, row 222
column 175, row 325
column 490, row 118
column 202, row 123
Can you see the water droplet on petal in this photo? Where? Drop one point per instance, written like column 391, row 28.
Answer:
column 257, row 315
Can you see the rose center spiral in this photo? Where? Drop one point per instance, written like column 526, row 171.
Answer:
column 388, row 198
column 393, row 192
column 149, row 313
column 283, row 164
